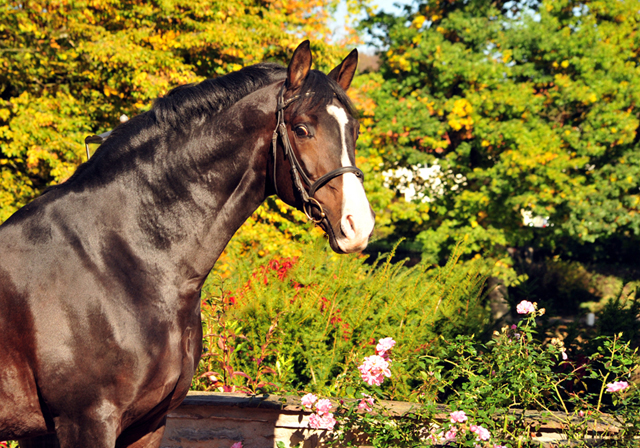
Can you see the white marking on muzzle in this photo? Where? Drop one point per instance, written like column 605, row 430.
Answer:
column 357, row 220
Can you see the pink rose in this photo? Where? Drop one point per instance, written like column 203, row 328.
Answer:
column 374, row 369
column 308, row 400
column 617, row 386
column 322, row 421
column 384, row 345
column 458, row 417
column 366, row 403
column 480, row 432
column 315, row 421
column 525, row 307
column 323, row 406
column 451, row 434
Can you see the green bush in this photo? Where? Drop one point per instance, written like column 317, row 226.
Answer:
column 620, row 315
column 302, row 323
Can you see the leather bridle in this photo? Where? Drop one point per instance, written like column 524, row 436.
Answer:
column 297, row 173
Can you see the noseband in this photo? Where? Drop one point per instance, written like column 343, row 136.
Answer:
column 297, row 172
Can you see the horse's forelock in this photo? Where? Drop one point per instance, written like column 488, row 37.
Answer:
column 318, row 90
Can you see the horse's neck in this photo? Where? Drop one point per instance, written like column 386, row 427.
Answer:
column 181, row 210
column 229, row 156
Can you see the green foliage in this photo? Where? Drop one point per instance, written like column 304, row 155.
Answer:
column 304, row 323
column 513, row 371
column 275, row 230
column 9, row 444
column 525, row 106
column 620, row 315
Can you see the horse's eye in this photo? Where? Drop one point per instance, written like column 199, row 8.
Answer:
column 301, row 131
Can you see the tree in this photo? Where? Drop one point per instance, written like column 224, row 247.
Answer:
column 70, row 69
column 528, row 109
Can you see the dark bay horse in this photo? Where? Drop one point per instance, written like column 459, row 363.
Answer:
column 100, row 277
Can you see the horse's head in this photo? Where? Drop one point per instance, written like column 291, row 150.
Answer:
column 315, row 153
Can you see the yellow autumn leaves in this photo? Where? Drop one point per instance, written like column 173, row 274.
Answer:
column 460, row 115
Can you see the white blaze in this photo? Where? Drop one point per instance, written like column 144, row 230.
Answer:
column 356, row 221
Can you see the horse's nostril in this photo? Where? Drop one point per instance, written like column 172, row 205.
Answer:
column 352, row 223
column 348, row 226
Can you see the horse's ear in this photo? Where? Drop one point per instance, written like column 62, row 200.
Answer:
column 299, row 66
column 343, row 73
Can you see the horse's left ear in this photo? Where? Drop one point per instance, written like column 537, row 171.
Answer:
column 299, row 66
column 343, row 73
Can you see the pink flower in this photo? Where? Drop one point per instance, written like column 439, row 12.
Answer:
column 308, row 400
column 525, row 307
column 451, row 434
column 480, row 432
column 237, row 445
column 432, row 437
column 366, row 403
column 564, row 355
column 323, row 406
column 495, row 445
column 617, row 386
column 373, row 370
column 322, row 421
column 385, row 345
column 581, row 413
column 458, row 417
column 315, row 421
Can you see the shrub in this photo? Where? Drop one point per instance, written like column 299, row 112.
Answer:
column 299, row 323
column 620, row 315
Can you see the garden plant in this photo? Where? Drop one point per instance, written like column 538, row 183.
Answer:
column 490, row 389
column 300, row 322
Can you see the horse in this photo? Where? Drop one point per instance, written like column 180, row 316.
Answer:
column 101, row 276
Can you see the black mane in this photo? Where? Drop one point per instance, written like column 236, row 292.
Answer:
column 186, row 105
column 187, row 102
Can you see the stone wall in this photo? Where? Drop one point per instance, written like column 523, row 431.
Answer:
column 218, row 420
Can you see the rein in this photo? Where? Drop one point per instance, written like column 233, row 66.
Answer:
column 297, row 172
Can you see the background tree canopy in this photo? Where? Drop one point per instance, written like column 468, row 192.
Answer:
column 518, row 109
column 70, row 69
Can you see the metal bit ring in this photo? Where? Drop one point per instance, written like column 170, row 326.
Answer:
column 307, row 211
